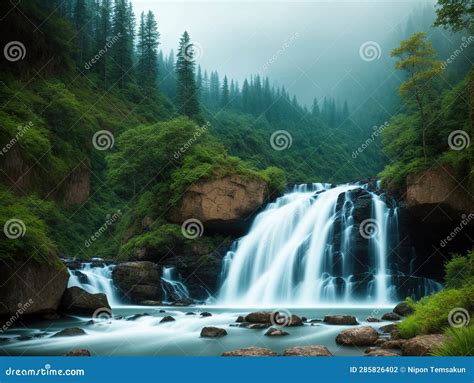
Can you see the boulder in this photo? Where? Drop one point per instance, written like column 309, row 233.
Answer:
column 254, row 326
column 151, row 303
column 422, row 345
column 240, row 319
column 340, row 319
column 222, row 204
column 78, row 352
column 72, row 331
column 206, row 314
column 259, row 317
column 403, row 309
column 213, row 332
column 372, row 319
column 137, row 316
column 78, row 301
column 359, row 336
column 390, row 316
column 31, row 287
column 250, row 351
column 387, row 329
column 394, row 344
column 274, row 318
column 138, row 281
column 307, row 351
column 167, row 319
column 272, row 331
column 381, row 353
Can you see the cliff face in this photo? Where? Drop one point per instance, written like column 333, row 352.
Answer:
column 223, row 204
column 436, row 195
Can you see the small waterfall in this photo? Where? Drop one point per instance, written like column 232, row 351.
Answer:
column 173, row 288
column 95, row 279
column 306, row 249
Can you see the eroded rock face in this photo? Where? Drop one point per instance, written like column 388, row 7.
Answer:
column 223, row 204
column 78, row 301
column 138, row 281
column 250, row 351
column 434, row 187
column 422, row 345
column 359, row 336
column 307, row 351
column 77, row 186
column 31, row 287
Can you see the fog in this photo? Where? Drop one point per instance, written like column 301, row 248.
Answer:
column 312, row 48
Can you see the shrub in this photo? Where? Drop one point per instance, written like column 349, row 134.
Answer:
column 460, row 342
column 458, row 270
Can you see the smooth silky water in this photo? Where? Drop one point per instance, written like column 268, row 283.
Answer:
column 285, row 261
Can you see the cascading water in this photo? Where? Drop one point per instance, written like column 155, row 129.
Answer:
column 173, row 288
column 307, row 248
column 95, row 279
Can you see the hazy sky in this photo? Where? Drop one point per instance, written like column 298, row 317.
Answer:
column 310, row 47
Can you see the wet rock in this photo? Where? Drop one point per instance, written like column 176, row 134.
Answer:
column 24, row 337
column 422, row 345
column 240, row 319
column 259, row 317
column 403, row 309
column 340, row 320
column 272, row 331
column 78, row 352
column 167, row 319
column 213, row 332
column 372, row 319
column 307, row 351
column 315, row 321
column 390, row 316
column 206, row 314
column 370, row 349
column 359, row 336
column 255, row 326
column 190, row 313
column 250, row 351
column 387, row 329
column 275, row 318
column 40, row 334
column 395, row 334
column 382, row 353
column 138, row 281
column 183, row 302
column 380, row 341
column 394, row 344
column 81, row 276
column 78, row 301
column 72, row 331
column 151, row 303
column 162, row 311
column 137, row 316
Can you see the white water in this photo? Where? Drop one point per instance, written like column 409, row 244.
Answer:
column 99, row 280
column 287, row 258
column 173, row 288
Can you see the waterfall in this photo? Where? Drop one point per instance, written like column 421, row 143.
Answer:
column 173, row 288
column 95, row 279
column 306, row 249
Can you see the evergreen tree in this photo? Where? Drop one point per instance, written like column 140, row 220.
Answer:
column 104, row 29
column 186, row 90
column 147, row 51
column 225, row 93
column 315, row 112
column 82, row 24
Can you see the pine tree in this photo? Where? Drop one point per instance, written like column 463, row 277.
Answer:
column 225, row 93
column 186, row 90
column 82, row 24
column 104, row 29
column 315, row 112
column 147, row 47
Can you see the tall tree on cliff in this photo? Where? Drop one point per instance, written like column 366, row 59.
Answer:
column 186, row 89
column 417, row 59
column 122, row 50
column 147, row 51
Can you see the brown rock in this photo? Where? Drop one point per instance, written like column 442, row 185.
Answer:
column 387, row 329
column 272, row 331
column 340, row 319
column 393, row 344
column 390, row 316
column 76, row 187
column 421, row 345
column 250, row 351
column 138, row 281
column 359, row 336
column 372, row 319
column 78, row 352
column 403, row 309
column 213, row 332
column 223, row 201
column 307, row 351
column 259, row 317
column 72, row 331
column 76, row 300
column 167, row 319
column 382, row 353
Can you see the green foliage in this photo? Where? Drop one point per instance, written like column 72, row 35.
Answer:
column 459, row 342
column 459, row 270
column 454, row 14
column 275, row 178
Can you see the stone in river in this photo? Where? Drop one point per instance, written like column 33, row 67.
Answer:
column 340, row 319
column 72, row 331
column 213, row 332
column 272, row 331
column 78, row 352
column 307, row 351
column 359, row 336
column 250, row 351
column 422, row 345
column 167, row 319
column 206, row 314
column 390, row 316
column 403, row 309
column 381, row 353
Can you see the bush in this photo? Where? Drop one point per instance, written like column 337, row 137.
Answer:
column 458, row 270
column 460, row 342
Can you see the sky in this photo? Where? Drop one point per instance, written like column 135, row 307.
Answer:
column 310, row 47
